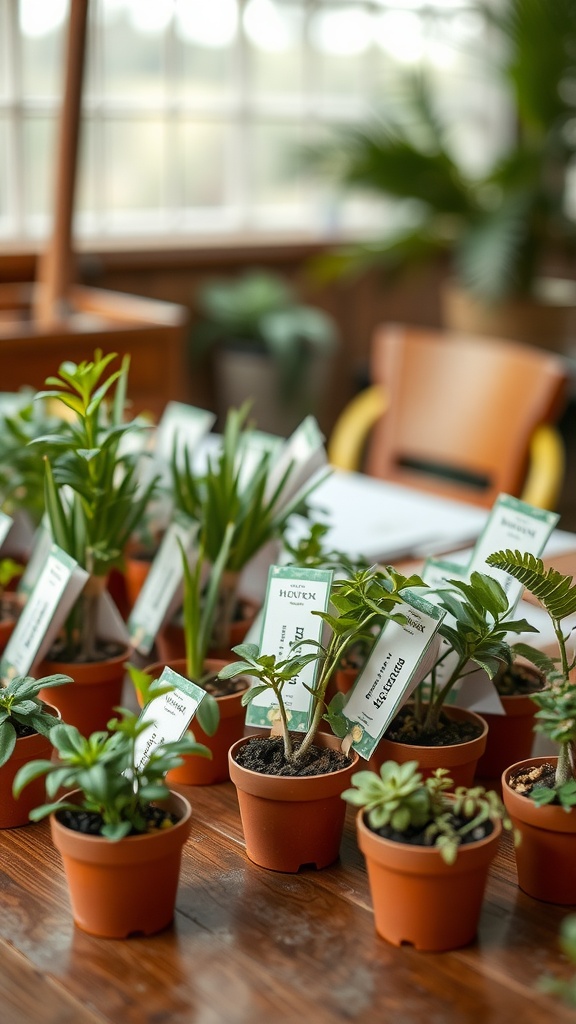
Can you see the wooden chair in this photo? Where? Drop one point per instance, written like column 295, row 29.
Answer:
column 464, row 417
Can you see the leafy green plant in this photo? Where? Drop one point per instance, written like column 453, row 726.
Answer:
column 22, row 712
column 399, row 798
column 260, row 312
column 103, row 767
column 9, row 570
column 93, row 491
column 500, row 226
column 368, row 598
column 225, row 494
column 21, row 471
column 476, row 635
column 556, row 717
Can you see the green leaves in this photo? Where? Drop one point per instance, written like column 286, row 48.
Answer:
column 555, row 591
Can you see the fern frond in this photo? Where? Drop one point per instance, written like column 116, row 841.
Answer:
column 555, row 591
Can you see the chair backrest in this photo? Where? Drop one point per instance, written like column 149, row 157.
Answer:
column 461, row 410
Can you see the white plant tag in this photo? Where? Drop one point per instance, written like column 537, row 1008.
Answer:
column 182, row 426
column 401, row 657
column 6, row 523
column 169, row 715
column 161, row 594
column 38, row 556
column 302, row 454
column 292, row 596
column 512, row 524
column 57, row 588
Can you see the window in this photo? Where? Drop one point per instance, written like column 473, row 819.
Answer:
column 195, row 111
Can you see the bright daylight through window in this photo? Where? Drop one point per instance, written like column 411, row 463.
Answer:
column 196, row 113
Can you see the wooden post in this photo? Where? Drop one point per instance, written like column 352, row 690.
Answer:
column 56, row 265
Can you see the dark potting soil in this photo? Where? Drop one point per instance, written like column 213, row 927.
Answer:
column 105, row 650
column 224, row 687
column 90, row 823
column 405, row 729
column 524, row 780
column 22, row 730
column 417, row 836
column 518, row 680
column 265, row 754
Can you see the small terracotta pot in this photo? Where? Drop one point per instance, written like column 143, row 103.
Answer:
column 546, row 852
column 128, row 887
column 459, row 758
column 199, row 771
column 510, row 736
column 135, row 573
column 88, row 702
column 417, row 897
column 15, row 812
column 290, row 822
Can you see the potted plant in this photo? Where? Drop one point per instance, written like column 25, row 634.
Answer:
column 428, row 728
column 267, row 346
column 540, row 793
column 502, row 226
column 220, row 715
column 511, row 734
column 224, row 493
column 289, row 785
column 427, row 853
column 119, row 829
column 25, row 724
column 94, row 500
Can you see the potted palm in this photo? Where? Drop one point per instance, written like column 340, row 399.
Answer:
column 25, row 724
column 427, row 852
column 503, row 226
column 268, row 345
column 94, row 501
column 119, row 828
column 540, row 793
column 428, row 728
column 289, row 785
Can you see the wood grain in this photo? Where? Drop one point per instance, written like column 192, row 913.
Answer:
column 249, row 945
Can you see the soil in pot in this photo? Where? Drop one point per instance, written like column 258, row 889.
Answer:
column 265, row 754
column 405, row 729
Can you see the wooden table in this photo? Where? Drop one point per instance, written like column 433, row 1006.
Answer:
column 249, row 945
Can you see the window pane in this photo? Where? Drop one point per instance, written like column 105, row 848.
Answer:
column 340, row 37
column 132, row 58
column 43, row 24
column 38, row 171
column 133, row 165
column 207, row 36
column 275, row 34
column 275, row 176
column 202, row 160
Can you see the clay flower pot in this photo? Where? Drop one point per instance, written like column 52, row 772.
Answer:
column 88, row 702
column 170, row 643
column 510, row 736
column 199, row 771
column 547, row 850
column 128, row 887
column 290, row 822
column 459, row 758
column 417, row 897
column 15, row 812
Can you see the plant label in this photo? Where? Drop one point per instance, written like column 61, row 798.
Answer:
column 38, row 556
column 5, row 526
column 511, row 524
column 161, row 594
column 168, row 716
column 299, row 458
column 292, row 596
column 400, row 659
column 57, row 588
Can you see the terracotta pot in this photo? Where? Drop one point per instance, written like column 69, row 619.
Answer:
column 135, row 572
column 459, row 758
column 88, row 702
column 291, row 822
column 170, row 642
column 417, row 897
column 28, row 748
column 128, row 887
column 510, row 736
column 199, row 771
column 238, row 629
column 546, row 852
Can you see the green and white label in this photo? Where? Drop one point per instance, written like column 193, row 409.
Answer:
column 401, row 657
column 293, row 595
column 168, row 716
column 511, row 524
column 161, row 593
column 57, row 588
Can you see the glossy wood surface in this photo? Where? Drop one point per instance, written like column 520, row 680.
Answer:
column 249, row 945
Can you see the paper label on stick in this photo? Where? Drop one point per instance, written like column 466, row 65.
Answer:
column 401, row 657
column 161, row 593
column 293, row 595
column 168, row 716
